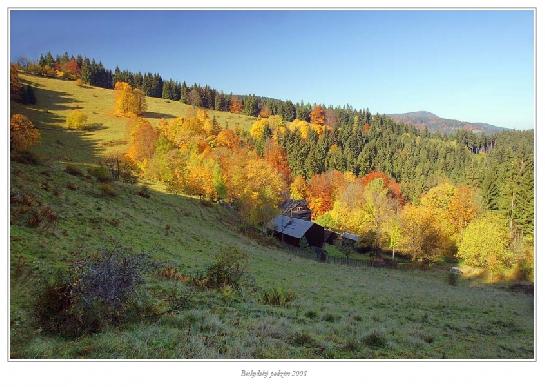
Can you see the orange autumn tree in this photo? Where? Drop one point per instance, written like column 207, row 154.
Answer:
column 394, row 190
column 265, row 111
column 129, row 101
column 235, row 104
column 142, row 139
column 276, row 156
column 317, row 115
column 463, row 207
column 227, row 138
column 71, row 69
column 22, row 133
column 322, row 190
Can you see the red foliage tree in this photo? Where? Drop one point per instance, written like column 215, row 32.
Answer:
column 71, row 68
column 394, row 190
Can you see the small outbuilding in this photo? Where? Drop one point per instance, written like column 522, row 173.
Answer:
column 330, row 236
column 293, row 230
column 349, row 237
column 296, row 209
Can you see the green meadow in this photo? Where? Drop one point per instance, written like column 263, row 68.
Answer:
column 338, row 311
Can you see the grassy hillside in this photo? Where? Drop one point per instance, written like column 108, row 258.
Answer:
column 338, row 312
column 56, row 98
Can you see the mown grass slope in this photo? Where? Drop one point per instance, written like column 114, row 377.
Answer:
column 338, row 312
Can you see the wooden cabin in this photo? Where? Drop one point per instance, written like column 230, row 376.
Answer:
column 292, row 230
column 296, row 209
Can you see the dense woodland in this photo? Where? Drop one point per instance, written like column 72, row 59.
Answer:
column 464, row 195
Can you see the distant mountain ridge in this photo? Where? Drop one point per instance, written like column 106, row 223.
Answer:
column 434, row 123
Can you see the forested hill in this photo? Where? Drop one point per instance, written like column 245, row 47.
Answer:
column 94, row 73
column 307, row 141
column 434, row 123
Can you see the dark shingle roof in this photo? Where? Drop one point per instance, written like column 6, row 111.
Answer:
column 290, row 226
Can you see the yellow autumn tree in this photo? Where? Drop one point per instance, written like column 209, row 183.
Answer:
column 76, row 120
column 254, row 186
column 203, row 176
column 276, row 126
column 259, row 129
column 300, row 126
column 421, row 235
column 455, row 207
column 22, row 133
column 485, row 243
column 129, row 101
column 298, row 188
column 463, row 208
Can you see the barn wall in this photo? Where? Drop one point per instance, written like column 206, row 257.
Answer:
column 315, row 235
column 287, row 239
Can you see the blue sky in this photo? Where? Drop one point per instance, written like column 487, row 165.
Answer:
column 470, row 65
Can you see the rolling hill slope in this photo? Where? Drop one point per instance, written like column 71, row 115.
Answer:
column 338, row 312
column 434, row 123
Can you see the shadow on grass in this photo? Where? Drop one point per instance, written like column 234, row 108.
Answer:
column 56, row 142
column 155, row 115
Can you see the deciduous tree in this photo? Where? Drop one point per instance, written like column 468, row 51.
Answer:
column 129, row 101
column 22, row 133
column 142, row 140
column 485, row 243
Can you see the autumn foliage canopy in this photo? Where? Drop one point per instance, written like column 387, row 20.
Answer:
column 22, row 134
column 129, row 102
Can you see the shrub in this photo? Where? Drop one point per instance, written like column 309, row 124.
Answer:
column 329, row 317
column 22, row 199
column 228, row 294
column 375, row 339
column 101, row 289
column 107, row 190
column 302, row 339
column 22, row 133
column 73, row 170
column 100, row 173
column 26, row 157
column 277, row 296
column 170, row 272
column 311, row 314
column 42, row 216
column 228, row 269
column 76, row 120
column 144, row 192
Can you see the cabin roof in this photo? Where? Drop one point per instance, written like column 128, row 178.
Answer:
column 292, row 203
column 348, row 235
column 294, row 227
